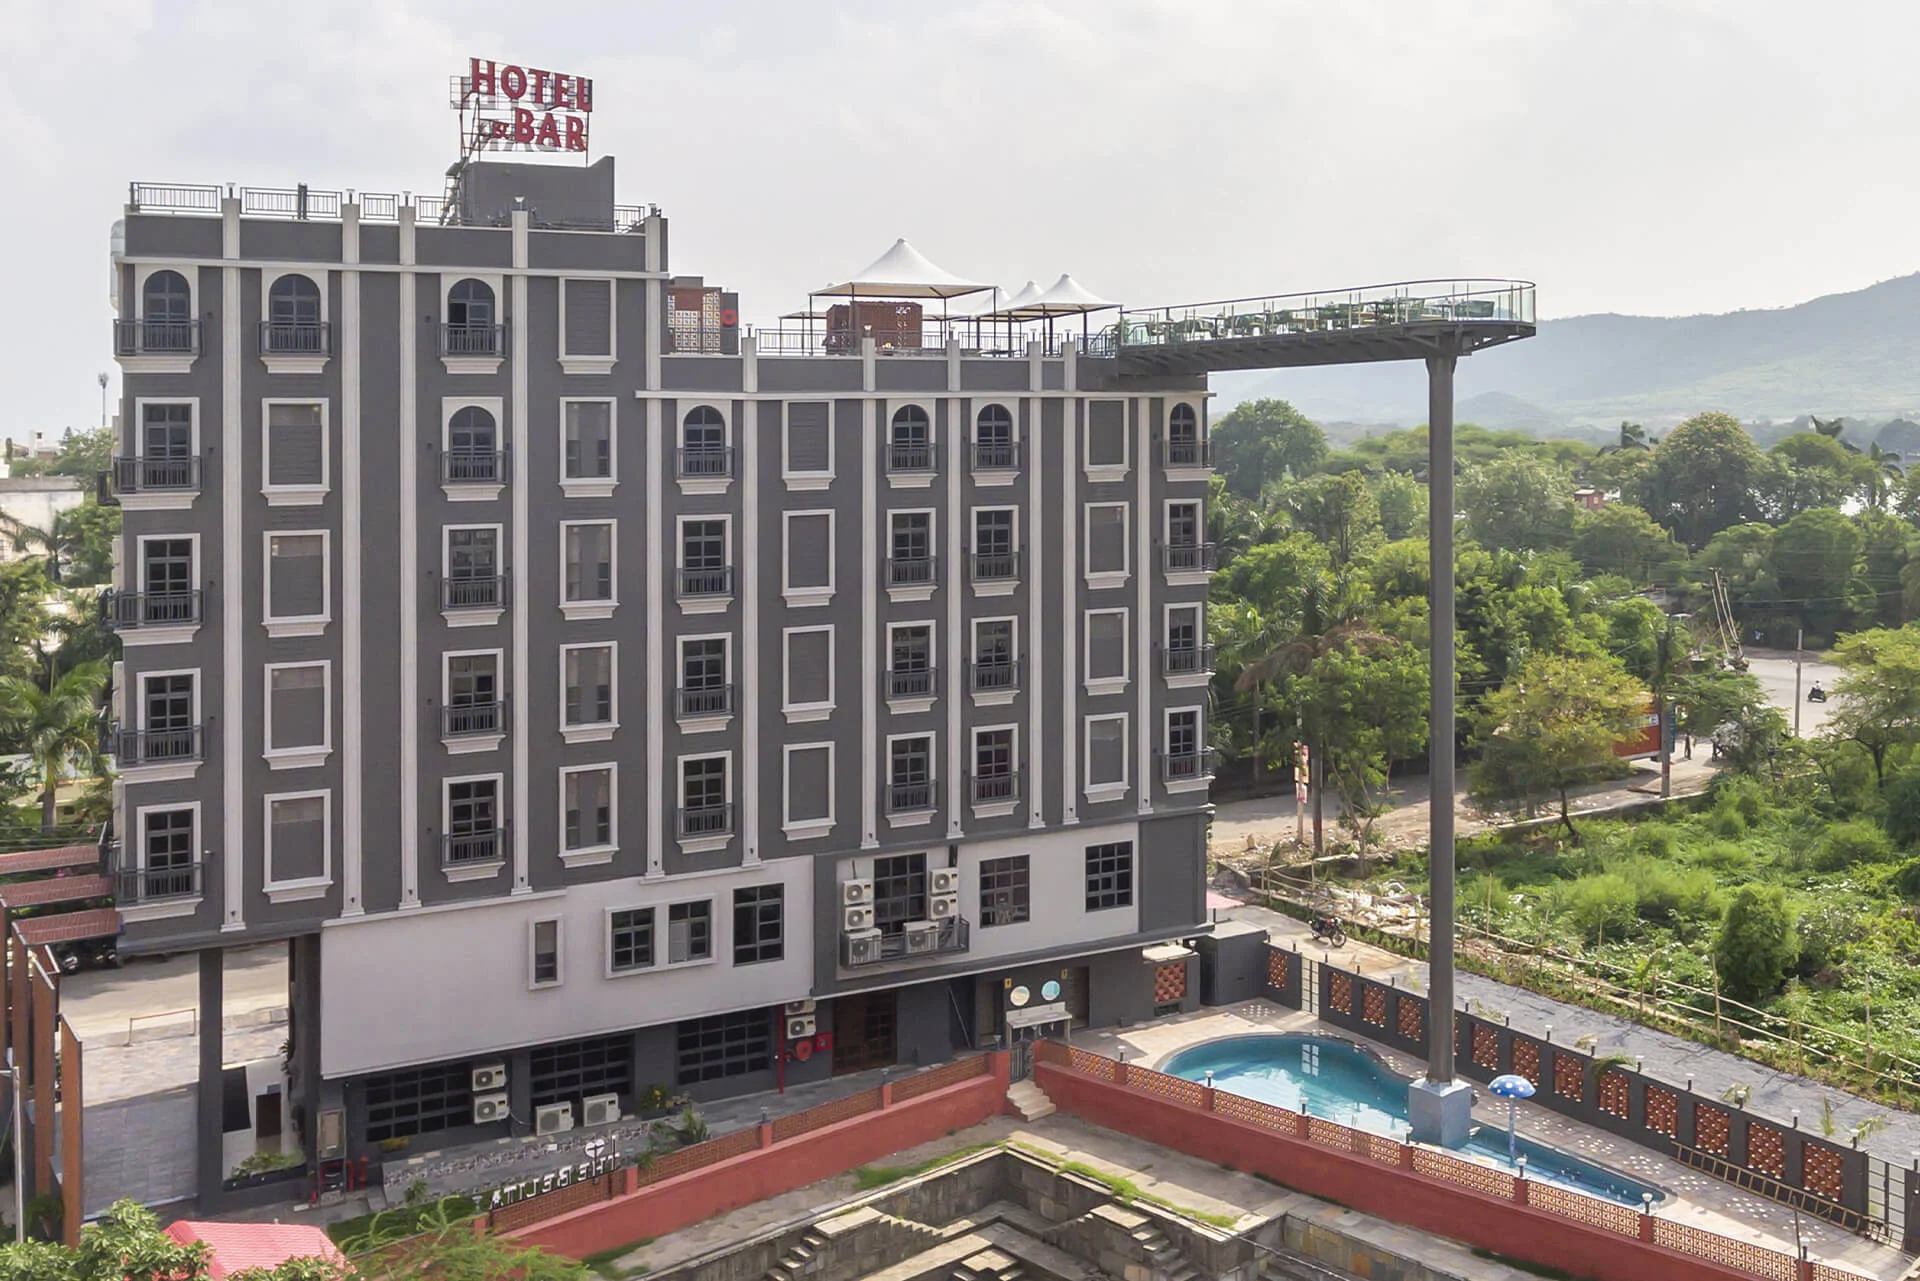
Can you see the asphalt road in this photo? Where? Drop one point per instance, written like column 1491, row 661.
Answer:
column 1775, row 671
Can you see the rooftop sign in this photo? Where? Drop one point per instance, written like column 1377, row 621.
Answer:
column 507, row 107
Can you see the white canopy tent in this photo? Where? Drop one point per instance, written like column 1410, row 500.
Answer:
column 1065, row 297
column 902, row 272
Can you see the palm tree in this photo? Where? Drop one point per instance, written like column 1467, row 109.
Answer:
column 1241, row 634
column 1632, row 436
column 32, row 540
column 1885, row 474
column 1831, row 429
column 55, row 727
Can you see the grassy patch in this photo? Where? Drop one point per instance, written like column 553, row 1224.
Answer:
column 878, row 1176
column 606, row 1262
column 1125, row 1191
column 370, row 1231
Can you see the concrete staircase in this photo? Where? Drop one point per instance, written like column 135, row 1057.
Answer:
column 867, row 1231
column 1030, row 1100
column 989, row 1265
column 1162, row 1255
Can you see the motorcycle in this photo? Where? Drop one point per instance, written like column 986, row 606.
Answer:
column 1328, row 931
column 1816, row 695
column 88, row 954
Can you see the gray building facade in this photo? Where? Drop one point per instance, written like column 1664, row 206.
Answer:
column 598, row 695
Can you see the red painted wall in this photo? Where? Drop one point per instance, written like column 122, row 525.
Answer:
column 1397, row 1196
column 672, row 1204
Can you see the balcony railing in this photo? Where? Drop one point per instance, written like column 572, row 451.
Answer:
column 712, row 700
column 465, row 849
column 707, row 820
column 910, row 571
column 1189, row 558
column 987, row 789
column 989, row 567
column 1176, row 767
column 694, row 583
column 473, row 467
column 1188, row 453
column 996, row 455
column 156, row 475
column 911, row 682
column 909, row 456
column 129, row 611
column 156, row 746
column 296, row 338
column 1186, row 660
column 473, row 720
column 710, row 463
column 154, row 884
column 945, row 938
column 474, row 593
column 156, row 337
column 907, row 798
column 991, row 676
column 473, row 340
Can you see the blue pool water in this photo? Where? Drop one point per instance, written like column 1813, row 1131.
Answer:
column 1336, row 1080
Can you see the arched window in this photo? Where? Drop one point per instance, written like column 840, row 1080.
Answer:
column 1184, row 447
column 470, row 304
column 166, row 313
column 293, row 316
column 472, row 446
column 910, row 440
column 993, row 444
column 910, row 426
column 703, row 430
column 1183, row 423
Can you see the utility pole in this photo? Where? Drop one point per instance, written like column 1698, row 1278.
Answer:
column 103, row 400
column 1799, row 640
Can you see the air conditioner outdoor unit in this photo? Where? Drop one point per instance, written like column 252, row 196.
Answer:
column 854, row 919
column 800, row 1027
column 489, row 1107
column 946, row 880
column 799, row 1007
column 554, row 1118
column 863, row 947
column 922, row 936
column 600, row 1109
column 943, row 907
column 856, row 891
column 488, row 1077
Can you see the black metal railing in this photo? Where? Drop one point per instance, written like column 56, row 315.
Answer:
column 156, row 746
column 991, row 567
column 909, row 456
column 706, row 582
column 707, row 820
column 711, row 700
column 156, row 475
column 296, row 338
column 473, row 467
column 988, row 789
column 1188, row 453
column 998, row 675
column 910, row 571
column 156, row 337
column 996, row 455
column 943, row 937
column 152, row 884
column 128, row 611
column 473, row 340
column 904, row 798
column 465, row 849
column 1186, row 660
column 1187, row 558
column 911, row 682
column 1177, row 767
column 473, row 720
column 474, row 593
column 708, row 463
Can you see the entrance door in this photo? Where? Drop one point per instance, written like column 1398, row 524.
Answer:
column 1078, row 986
column 863, row 1031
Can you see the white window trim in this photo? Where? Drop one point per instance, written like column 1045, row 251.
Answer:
column 998, row 586
column 471, row 617
column 468, row 745
column 296, row 624
column 1110, row 791
column 591, row 486
column 591, row 364
column 480, row 871
column 913, row 818
column 1199, row 471
column 591, row 608
column 299, row 889
column 699, row 724
column 134, row 637
column 606, row 939
column 166, row 909
column 797, row 713
column 993, row 697
column 465, row 491
column 912, row 591
column 1106, row 684
column 805, row 828
column 592, row 731
column 591, row 855
column 1184, row 577
column 164, row 500
column 704, row 604
column 1185, row 680
column 911, row 706
column 296, row 362
column 296, row 495
column 997, row 476
column 1104, row 578
column 995, row 809
column 1199, row 783
column 559, row 979
column 702, row 844
column 473, row 364
column 912, row 479
column 306, row 755
column 163, row 771
column 703, row 484
column 808, row 597
column 804, row 480
column 663, row 932
column 161, row 362
column 1102, row 473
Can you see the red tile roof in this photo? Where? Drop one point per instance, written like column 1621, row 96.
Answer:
column 68, row 927
column 48, row 860
column 56, row 889
column 238, row 1246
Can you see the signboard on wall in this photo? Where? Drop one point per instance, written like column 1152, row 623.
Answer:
column 1038, row 1015
column 598, row 1156
column 504, row 106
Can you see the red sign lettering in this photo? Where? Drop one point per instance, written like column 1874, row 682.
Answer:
column 522, row 126
column 542, row 110
column 513, row 82
column 549, row 133
column 480, row 77
column 540, row 79
column 583, row 93
column 576, row 134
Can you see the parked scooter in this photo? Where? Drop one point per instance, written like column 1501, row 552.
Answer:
column 87, row 954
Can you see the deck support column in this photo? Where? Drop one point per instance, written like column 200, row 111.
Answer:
column 209, row 1123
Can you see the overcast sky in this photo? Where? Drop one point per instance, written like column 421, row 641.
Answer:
column 1672, row 156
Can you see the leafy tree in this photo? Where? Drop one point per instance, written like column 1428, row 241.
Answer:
column 1517, row 503
column 24, row 592
column 1554, row 725
column 1402, row 503
column 1260, row 441
column 1902, row 794
column 1884, row 475
column 1758, row 942
column 84, row 453
column 1337, row 510
column 76, row 547
column 1814, row 556
column 1703, row 478
column 1365, row 706
column 54, row 727
column 1706, row 700
column 1621, row 539
column 1632, row 437
column 1878, row 693
column 1887, row 544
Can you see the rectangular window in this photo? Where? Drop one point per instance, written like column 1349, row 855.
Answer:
column 704, row 810
column 576, row 1070
column 546, row 953
column 473, row 557
column 910, row 661
column 899, row 891
column 758, row 924
column 1183, row 732
column 1107, row 645
column 419, row 1101
column 589, row 562
column 703, row 544
column 690, row 932
column 912, row 536
column 1107, row 434
column 1109, row 876
column 1183, row 524
column 808, row 673
column 1005, row 891
column 995, row 554
column 473, row 821
column 166, row 709
column 1183, row 628
column 630, row 939
column 588, row 317
column 809, row 438
column 472, row 695
column 994, row 767
column 725, row 1045
column 910, row 774
column 586, row 799
column 993, row 655
column 808, row 787
column 703, row 677
column 1107, row 539
column 297, row 839
column 297, row 699
column 588, row 679
column 296, row 446
column 166, row 433
column 166, row 577
column 297, row 578
column 808, row 553
column 168, row 848
column 1107, row 752
column 589, row 439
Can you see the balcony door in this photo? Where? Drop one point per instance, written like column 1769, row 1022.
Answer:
column 864, row 1031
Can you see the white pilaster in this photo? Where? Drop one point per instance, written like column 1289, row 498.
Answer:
column 657, row 770
column 870, row 540
column 521, row 439
column 746, row 442
column 958, row 765
column 234, row 681
column 408, row 427
column 1069, row 614
column 1033, row 633
column 1145, row 521
column 352, row 732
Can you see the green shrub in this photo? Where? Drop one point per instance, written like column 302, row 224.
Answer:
column 1907, row 879
column 1902, row 794
column 1604, row 905
column 1846, row 844
column 1725, row 821
column 1656, row 841
column 1825, row 933
column 1664, row 893
column 1720, row 856
column 1741, row 794
column 1758, row 942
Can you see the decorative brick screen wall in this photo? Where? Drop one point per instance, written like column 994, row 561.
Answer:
column 1169, row 983
column 1340, row 992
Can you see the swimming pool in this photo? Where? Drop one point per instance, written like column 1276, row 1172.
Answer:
column 1337, row 1080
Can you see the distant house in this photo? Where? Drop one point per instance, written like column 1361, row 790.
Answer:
column 35, row 501
column 1591, row 499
